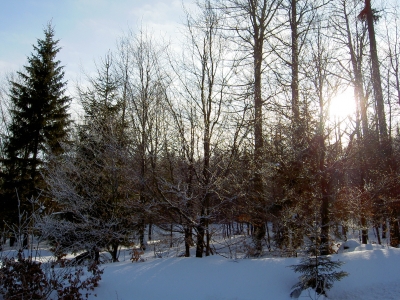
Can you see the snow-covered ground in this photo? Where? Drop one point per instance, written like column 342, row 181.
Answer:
column 373, row 274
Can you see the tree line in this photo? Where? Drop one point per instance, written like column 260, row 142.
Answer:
column 232, row 126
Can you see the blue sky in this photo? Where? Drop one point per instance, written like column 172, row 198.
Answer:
column 87, row 29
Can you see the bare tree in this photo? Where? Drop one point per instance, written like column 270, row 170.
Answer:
column 143, row 92
column 369, row 15
column 353, row 36
column 200, row 119
column 251, row 23
column 323, row 156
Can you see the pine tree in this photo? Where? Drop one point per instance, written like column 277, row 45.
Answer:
column 93, row 182
column 39, row 122
column 318, row 271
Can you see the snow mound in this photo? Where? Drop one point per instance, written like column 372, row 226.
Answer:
column 369, row 247
column 348, row 246
column 372, row 275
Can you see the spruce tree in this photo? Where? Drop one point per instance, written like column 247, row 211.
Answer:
column 93, row 182
column 39, row 122
column 318, row 271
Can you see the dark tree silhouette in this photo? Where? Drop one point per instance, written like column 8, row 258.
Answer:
column 39, row 122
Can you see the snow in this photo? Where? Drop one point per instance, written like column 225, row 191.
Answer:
column 373, row 274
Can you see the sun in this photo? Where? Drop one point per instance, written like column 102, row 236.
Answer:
column 342, row 105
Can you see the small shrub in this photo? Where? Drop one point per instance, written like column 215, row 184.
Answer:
column 23, row 278
column 317, row 273
column 136, row 255
column 75, row 285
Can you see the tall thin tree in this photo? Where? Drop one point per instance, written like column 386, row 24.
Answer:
column 39, row 122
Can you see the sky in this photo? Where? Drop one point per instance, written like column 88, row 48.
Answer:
column 87, row 29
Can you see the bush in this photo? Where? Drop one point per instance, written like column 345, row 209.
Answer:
column 23, row 278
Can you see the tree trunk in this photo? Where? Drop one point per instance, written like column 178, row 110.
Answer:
column 394, row 230
column 376, row 77
column 296, row 123
column 378, row 235
column 171, row 236
column 114, row 252
column 384, row 229
column 364, row 231
column 259, row 227
column 200, row 237
column 394, row 234
column 344, row 232
column 208, row 238
column 12, row 240
column 141, row 230
column 188, row 240
column 150, row 231
column 25, row 241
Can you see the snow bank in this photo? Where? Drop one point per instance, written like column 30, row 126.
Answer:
column 373, row 274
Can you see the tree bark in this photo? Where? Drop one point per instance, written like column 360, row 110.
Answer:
column 188, row 240
column 258, row 191
column 376, row 77
column 296, row 123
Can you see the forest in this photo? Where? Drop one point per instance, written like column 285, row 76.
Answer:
column 234, row 131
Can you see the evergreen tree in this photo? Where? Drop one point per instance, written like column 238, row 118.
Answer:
column 93, row 181
column 39, row 122
column 318, row 271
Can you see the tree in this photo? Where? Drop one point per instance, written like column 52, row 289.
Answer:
column 93, row 185
column 323, row 158
column 94, row 181
column 200, row 122
column 317, row 271
column 254, row 21
column 290, row 46
column 352, row 36
column 293, row 46
column 145, row 86
column 39, row 123
column 370, row 16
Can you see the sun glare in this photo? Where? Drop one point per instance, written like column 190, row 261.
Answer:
column 342, row 105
